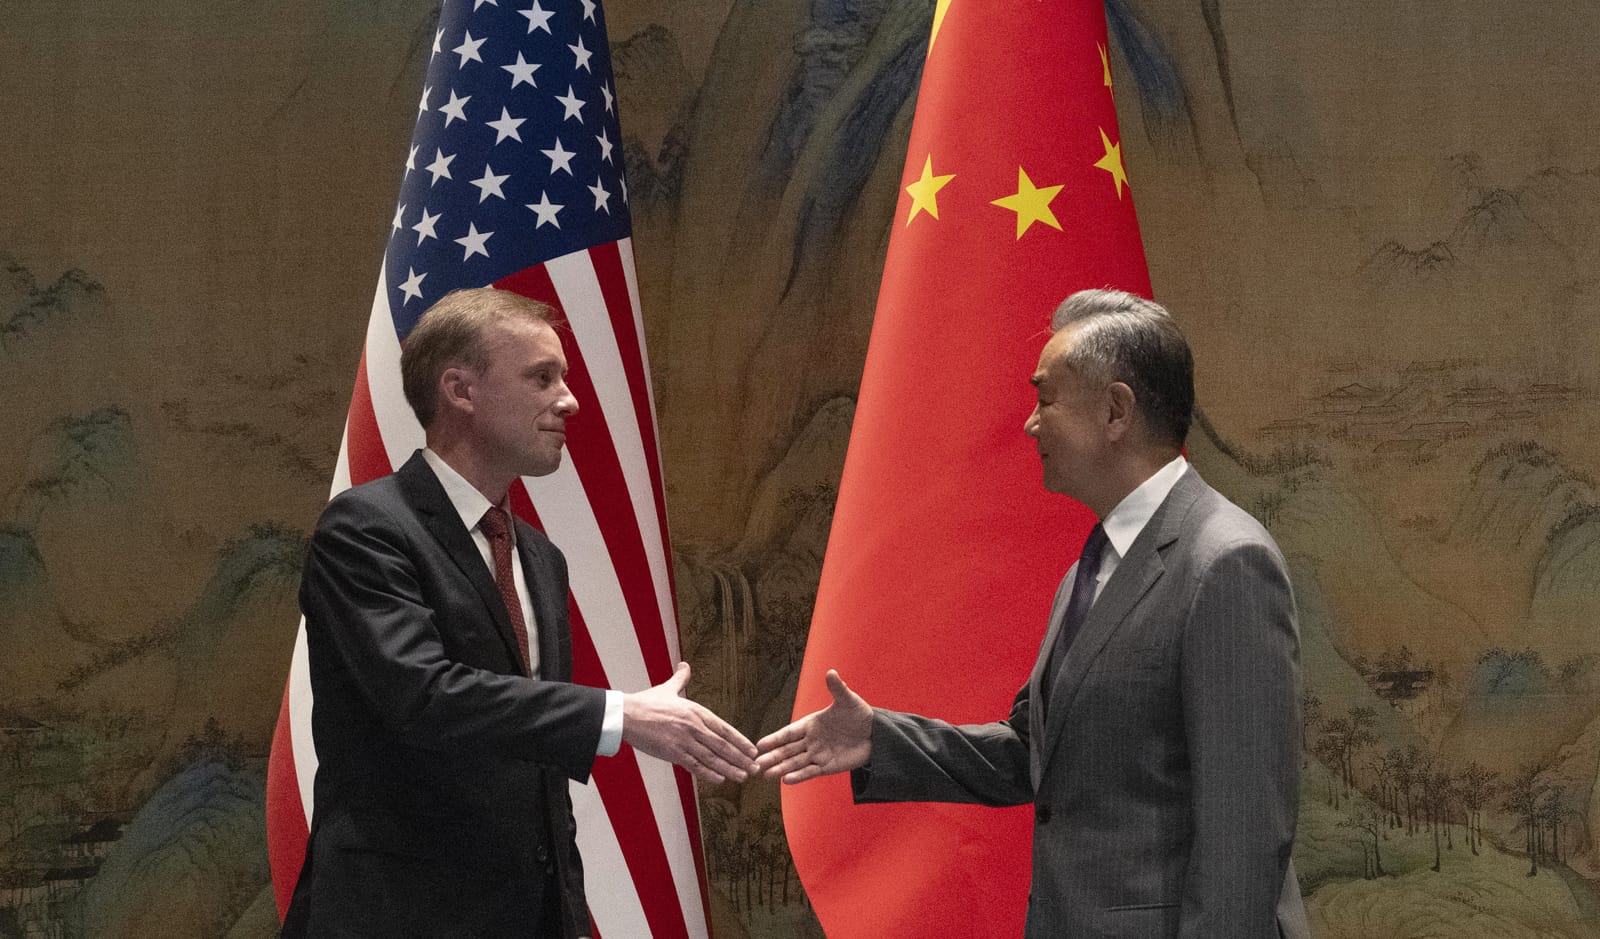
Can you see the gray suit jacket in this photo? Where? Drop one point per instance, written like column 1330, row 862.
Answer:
column 1165, row 781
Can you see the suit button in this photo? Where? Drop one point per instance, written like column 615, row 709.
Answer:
column 1041, row 813
column 543, row 855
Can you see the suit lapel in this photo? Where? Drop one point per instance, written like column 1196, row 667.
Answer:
column 440, row 518
column 1135, row 576
column 1058, row 611
column 1036, row 690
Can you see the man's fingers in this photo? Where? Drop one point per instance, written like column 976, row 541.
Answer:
column 788, row 766
column 715, row 743
column 727, row 732
column 782, row 736
column 680, row 678
column 802, row 774
column 842, row 695
column 702, row 750
column 776, row 756
column 706, row 767
column 723, row 749
column 699, row 770
column 780, row 753
column 722, row 769
column 673, row 728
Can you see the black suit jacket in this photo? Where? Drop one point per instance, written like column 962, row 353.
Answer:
column 441, row 803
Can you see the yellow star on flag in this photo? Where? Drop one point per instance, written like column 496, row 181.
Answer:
column 1031, row 203
column 925, row 191
column 1112, row 162
column 1105, row 63
column 939, row 10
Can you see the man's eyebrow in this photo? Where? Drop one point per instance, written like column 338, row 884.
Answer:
column 1036, row 380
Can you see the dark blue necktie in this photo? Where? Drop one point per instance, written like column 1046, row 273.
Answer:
column 1078, row 604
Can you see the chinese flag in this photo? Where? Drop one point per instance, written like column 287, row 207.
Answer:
column 945, row 549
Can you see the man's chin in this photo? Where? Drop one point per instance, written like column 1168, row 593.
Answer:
column 543, row 466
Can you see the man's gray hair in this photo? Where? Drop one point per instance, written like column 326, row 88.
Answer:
column 1125, row 338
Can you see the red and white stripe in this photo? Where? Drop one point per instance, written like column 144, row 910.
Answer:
column 638, row 825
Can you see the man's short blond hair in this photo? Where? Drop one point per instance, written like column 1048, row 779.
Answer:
column 452, row 334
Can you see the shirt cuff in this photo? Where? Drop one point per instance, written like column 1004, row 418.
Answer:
column 611, row 725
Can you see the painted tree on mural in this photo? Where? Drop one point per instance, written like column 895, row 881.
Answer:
column 1370, row 822
column 1476, row 787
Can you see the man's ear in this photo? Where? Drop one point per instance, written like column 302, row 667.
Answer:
column 455, row 389
column 1120, row 409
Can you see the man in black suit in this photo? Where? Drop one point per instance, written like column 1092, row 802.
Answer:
column 440, row 656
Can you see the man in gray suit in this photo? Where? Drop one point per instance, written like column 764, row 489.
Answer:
column 1158, row 734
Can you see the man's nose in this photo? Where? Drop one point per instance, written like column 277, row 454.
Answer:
column 1031, row 425
column 566, row 405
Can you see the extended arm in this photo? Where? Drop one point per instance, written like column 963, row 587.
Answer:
column 378, row 633
column 903, row 757
column 361, row 593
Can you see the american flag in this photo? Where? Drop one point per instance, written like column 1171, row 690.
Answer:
column 514, row 178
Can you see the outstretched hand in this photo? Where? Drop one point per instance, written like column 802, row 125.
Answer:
column 660, row 721
column 832, row 740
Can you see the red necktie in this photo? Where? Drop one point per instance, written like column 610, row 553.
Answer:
column 497, row 525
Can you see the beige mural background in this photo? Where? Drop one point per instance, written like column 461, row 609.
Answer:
column 1379, row 223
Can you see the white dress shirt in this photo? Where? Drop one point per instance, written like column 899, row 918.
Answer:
column 1124, row 523
column 470, row 504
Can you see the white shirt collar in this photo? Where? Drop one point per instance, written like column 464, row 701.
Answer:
column 1124, row 523
column 469, row 503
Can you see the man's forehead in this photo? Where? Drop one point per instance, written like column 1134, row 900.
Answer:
column 520, row 329
column 1052, row 355
column 525, row 340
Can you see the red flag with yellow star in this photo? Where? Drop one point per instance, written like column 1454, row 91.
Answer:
column 946, row 549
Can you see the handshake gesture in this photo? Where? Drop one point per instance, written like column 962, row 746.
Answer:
column 660, row 721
